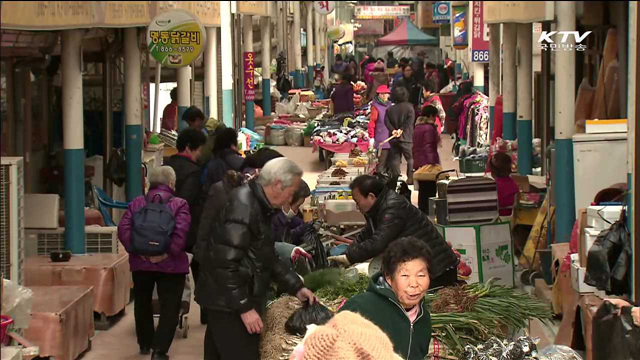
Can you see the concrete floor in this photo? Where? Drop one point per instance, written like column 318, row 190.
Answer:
column 119, row 342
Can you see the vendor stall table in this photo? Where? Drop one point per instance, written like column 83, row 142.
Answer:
column 343, row 148
column 108, row 274
column 61, row 320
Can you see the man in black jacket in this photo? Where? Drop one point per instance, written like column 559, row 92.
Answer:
column 390, row 217
column 188, row 186
column 239, row 262
column 400, row 120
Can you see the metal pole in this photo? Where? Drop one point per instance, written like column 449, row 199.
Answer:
column 227, row 59
column 156, row 98
column 565, row 90
column 132, row 115
column 525, row 119
column 73, row 140
column 546, row 100
column 299, row 80
column 184, row 94
column 265, row 28
column 247, row 39
column 509, row 87
column 209, row 73
column 310, row 62
column 494, row 71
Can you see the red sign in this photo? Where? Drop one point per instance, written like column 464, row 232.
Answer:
column 249, row 81
column 479, row 35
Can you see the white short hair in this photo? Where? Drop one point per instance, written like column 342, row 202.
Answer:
column 280, row 169
column 163, row 175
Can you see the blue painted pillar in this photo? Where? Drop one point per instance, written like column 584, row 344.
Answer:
column 184, row 94
column 494, row 72
column 73, row 139
column 247, row 35
column 227, row 60
column 211, row 75
column 565, row 89
column 265, row 29
column 525, row 99
column 510, row 81
column 133, row 125
column 266, row 97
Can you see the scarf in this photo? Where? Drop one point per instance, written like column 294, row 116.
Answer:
column 382, row 102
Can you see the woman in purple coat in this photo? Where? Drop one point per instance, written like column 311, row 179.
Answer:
column 167, row 271
column 426, row 140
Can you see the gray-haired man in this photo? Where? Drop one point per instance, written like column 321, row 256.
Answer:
column 239, row 262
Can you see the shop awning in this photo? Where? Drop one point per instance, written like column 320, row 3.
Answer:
column 407, row 34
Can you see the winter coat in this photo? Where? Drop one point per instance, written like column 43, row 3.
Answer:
column 188, row 187
column 507, row 190
column 214, row 203
column 401, row 117
column 211, row 130
column 368, row 71
column 177, row 262
column 435, row 101
column 342, row 98
column 221, row 162
column 378, row 78
column 288, row 230
column 377, row 128
column 380, row 305
column 412, row 87
column 425, row 145
column 393, row 217
column 238, row 261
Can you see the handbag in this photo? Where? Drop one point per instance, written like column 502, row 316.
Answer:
column 427, row 172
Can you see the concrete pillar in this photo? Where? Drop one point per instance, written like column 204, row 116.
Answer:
column 525, row 106
column 73, row 141
column 510, row 85
column 316, row 37
column 132, row 115
column 247, row 40
column 297, row 49
column 565, row 89
column 280, row 33
column 184, row 94
column 327, row 46
column 632, row 120
column 265, row 30
column 494, row 71
column 478, row 76
column 157, row 124
column 227, row 62
column 310, row 43
column 211, row 74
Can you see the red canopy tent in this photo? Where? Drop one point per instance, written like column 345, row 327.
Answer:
column 407, row 34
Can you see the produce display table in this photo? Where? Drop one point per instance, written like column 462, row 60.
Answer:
column 108, row 274
column 61, row 320
column 343, row 148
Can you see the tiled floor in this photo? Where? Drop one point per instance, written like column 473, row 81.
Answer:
column 119, row 342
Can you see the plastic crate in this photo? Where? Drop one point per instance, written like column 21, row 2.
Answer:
column 468, row 165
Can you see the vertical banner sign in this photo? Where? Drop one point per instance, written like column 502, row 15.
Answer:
column 460, row 36
column 176, row 38
column 324, row 7
column 249, row 81
column 479, row 35
column 441, row 12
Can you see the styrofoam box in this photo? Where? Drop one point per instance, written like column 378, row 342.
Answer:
column 602, row 217
column 577, row 280
column 41, row 211
column 340, row 205
column 590, row 236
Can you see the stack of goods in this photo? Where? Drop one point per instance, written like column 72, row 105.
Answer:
column 169, row 137
column 524, row 348
column 359, row 89
column 473, row 122
column 340, row 129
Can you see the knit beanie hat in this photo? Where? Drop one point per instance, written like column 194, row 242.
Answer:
column 348, row 336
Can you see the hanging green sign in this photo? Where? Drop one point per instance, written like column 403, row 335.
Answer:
column 176, row 38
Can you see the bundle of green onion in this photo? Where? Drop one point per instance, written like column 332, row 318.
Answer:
column 496, row 310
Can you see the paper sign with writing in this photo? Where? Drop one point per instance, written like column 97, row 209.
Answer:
column 176, row 38
column 249, row 80
column 324, row 7
column 479, row 35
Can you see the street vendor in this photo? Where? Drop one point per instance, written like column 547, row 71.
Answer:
column 390, row 217
column 377, row 128
column 394, row 300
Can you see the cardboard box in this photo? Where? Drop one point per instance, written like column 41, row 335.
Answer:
column 41, row 211
column 263, row 120
column 342, row 212
column 590, row 236
column 602, row 217
column 577, row 280
column 522, row 181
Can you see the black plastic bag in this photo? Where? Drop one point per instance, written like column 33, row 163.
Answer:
column 313, row 245
column 614, row 335
column 316, row 313
column 117, row 167
column 609, row 260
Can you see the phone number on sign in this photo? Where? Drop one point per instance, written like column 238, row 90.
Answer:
column 180, row 49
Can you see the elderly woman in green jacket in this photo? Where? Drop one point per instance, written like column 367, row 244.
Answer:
column 395, row 298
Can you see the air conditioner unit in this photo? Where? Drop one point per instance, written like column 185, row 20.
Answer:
column 98, row 240
column 12, row 219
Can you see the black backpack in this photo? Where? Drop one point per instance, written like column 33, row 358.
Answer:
column 152, row 228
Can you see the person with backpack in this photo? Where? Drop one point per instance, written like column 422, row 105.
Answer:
column 188, row 186
column 153, row 231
